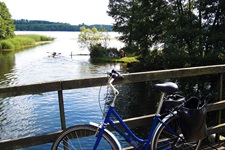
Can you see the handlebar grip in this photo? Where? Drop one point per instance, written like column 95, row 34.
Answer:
column 115, row 74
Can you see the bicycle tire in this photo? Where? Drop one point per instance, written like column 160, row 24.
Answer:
column 83, row 137
column 164, row 139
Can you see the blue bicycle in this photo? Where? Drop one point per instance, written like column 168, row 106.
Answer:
column 165, row 132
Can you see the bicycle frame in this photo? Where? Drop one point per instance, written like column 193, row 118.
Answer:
column 130, row 137
column 165, row 132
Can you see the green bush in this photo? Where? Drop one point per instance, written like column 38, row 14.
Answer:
column 97, row 51
column 130, row 49
column 6, row 44
column 112, row 49
column 16, row 43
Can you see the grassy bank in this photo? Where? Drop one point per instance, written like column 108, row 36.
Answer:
column 23, row 41
column 113, row 59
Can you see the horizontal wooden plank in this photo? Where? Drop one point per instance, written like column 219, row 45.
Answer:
column 131, row 122
column 216, row 106
column 99, row 81
column 29, row 89
column 216, row 129
column 173, row 73
column 48, row 138
column 28, row 141
column 83, row 83
column 214, row 146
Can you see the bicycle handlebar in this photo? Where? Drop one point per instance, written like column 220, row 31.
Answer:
column 112, row 76
column 115, row 74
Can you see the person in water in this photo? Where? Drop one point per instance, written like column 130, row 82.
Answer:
column 54, row 54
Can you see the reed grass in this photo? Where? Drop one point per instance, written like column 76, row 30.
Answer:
column 117, row 60
column 21, row 41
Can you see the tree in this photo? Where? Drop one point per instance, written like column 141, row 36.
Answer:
column 91, row 37
column 104, row 37
column 213, row 26
column 197, row 32
column 122, row 12
column 141, row 22
column 191, row 31
column 7, row 26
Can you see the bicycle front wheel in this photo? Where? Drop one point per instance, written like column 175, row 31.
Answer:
column 164, row 139
column 83, row 137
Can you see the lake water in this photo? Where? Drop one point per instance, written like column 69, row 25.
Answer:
column 31, row 115
column 34, row 65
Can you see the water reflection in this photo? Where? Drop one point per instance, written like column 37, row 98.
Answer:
column 7, row 62
column 39, row 114
column 204, row 87
column 137, row 99
column 33, row 65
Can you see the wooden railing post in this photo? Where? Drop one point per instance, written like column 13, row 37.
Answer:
column 220, row 97
column 61, row 109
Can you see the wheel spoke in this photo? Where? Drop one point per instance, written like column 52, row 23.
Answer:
column 164, row 139
column 82, row 137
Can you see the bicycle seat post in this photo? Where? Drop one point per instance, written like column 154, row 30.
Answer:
column 165, row 88
column 160, row 104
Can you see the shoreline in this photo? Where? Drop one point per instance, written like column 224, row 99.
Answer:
column 26, row 46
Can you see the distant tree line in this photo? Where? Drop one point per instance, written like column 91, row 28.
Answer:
column 39, row 25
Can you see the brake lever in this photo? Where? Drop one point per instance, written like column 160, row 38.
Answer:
column 116, row 73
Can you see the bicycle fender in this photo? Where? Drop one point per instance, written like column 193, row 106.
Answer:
column 164, row 120
column 108, row 132
column 159, row 126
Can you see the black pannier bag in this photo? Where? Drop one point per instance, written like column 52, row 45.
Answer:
column 193, row 119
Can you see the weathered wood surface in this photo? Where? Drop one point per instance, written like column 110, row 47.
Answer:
column 131, row 122
column 99, row 81
column 90, row 82
column 28, row 141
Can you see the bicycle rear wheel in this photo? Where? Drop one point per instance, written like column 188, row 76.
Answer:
column 164, row 139
column 83, row 137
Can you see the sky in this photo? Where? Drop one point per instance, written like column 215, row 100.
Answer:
column 74, row 12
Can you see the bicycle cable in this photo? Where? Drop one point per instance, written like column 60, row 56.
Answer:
column 107, row 98
column 99, row 100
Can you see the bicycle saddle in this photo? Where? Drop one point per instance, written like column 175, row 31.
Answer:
column 167, row 87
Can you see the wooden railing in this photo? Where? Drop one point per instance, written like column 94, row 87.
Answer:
column 98, row 81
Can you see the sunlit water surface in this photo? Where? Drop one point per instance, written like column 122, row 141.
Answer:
column 39, row 114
